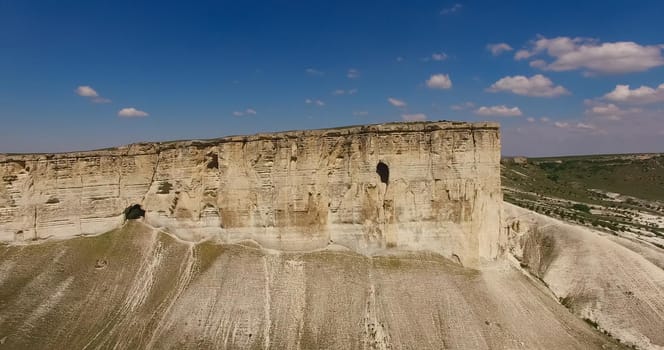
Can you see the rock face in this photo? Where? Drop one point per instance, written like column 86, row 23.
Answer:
column 411, row 186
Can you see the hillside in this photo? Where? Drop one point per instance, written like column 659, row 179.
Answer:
column 615, row 193
column 137, row 287
column 591, row 228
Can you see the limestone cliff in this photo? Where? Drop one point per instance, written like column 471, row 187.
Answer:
column 411, row 186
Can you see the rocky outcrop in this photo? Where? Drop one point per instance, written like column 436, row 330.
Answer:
column 411, row 186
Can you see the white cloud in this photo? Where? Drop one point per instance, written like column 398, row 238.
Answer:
column 497, row 49
column 522, row 54
column 88, row 91
column 318, row 103
column 538, row 64
column 530, row 119
column 499, row 111
column 439, row 81
column 609, row 110
column 450, row 10
column 400, row 59
column 436, row 56
column 537, row 86
column 585, row 126
column 643, row 95
column 131, row 112
column 578, row 126
column 545, row 119
column 338, row 92
column 396, row 103
column 416, row 117
column 595, row 57
column 461, row 107
column 441, row 56
column 314, row 72
column 605, row 110
column 360, row 113
column 353, row 73
column 248, row 111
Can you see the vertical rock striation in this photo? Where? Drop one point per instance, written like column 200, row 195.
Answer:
column 411, row 186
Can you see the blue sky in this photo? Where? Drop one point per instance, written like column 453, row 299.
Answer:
column 89, row 74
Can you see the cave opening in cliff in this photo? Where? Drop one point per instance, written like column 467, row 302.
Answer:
column 134, row 212
column 384, row 172
column 213, row 162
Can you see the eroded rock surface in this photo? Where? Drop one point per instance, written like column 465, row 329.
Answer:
column 138, row 288
column 290, row 191
column 614, row 283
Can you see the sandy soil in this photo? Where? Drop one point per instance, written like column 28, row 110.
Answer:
column 137, row 288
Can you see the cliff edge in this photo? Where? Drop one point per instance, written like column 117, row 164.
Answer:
column 431, row 186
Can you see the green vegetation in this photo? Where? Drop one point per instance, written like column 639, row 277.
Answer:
column 581, row 207
column 607, row 192
column 165, row 188
column 640, row 176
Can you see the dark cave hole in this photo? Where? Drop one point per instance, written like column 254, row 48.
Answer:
column 134, row 212
column 384, row 172
column 213, row 163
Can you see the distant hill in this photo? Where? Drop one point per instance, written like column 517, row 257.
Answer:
column 616, row 192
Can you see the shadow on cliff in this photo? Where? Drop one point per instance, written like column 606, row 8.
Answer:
column 134, row 212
